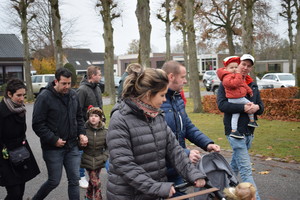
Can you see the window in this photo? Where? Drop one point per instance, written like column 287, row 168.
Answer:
column 269, row 77
column 274, row 67
column 13, row 72
column 49, row 79
column 88, row 62
column 209, row 64
column 77, row 62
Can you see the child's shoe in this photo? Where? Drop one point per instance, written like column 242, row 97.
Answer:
column 237, row 135
column 253, row 124
column 83, row 183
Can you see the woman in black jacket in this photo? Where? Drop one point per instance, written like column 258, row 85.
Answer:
column 140, row 143
column 12, row 136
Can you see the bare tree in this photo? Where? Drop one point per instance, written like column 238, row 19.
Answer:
column 142, row 13
column 41, row 30
column 21, row 7
column 222, row 15
column 133, row 47
column 297, row 6
column 58, row 50
column 106, row 11
column 287, row 13
column 166, row 19
column 247, row 28
column 193, row 66
column 180, row 24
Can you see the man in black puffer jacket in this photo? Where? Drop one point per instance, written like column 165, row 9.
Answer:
column 57, row 120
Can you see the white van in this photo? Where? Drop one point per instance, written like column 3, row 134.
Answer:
column 40, row 81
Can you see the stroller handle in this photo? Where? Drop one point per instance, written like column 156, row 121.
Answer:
column 217, row 194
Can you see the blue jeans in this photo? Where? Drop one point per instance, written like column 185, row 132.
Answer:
column 240, row 162
column 55, row 160
column 81, row 170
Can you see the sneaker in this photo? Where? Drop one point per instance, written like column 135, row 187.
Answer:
column 237, row 135
column 253, row 124
column 83, row 183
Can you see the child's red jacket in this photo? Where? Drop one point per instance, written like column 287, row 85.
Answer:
column 234, row 84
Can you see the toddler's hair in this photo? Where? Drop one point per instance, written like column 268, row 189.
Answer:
column 243, row 191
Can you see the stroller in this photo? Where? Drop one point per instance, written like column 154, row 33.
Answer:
column 219, row 176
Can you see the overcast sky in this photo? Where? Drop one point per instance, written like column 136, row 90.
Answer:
column 89, row 27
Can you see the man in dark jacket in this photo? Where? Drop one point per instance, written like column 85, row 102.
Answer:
column 89, row 93
column 240, row 162
column 57, row 120
column 178, row 120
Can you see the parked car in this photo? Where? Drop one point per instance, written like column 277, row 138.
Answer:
column 116, row 81
column 208, row 74
column 40, row 81
column 213, row 84
column 279, row 80
column 262, row 85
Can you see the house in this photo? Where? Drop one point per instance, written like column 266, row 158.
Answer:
column 274, row 66
column 156, row 60
column 81, row 59
column 11, row 58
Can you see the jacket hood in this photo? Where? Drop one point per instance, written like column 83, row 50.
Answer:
column 221, row 72
column 85, row 81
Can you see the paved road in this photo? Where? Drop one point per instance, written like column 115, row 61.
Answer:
column 282, row 182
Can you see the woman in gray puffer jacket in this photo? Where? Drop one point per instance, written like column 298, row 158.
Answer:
column 140, row 143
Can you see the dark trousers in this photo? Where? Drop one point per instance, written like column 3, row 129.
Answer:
column 15, row 192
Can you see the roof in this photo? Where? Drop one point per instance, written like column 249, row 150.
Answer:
column 10, row 47
column 82, row 58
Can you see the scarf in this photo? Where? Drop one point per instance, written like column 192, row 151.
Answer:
column 15, row 107
column 248, row 80
column 149, row 111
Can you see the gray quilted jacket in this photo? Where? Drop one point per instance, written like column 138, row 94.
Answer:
column 139, row 148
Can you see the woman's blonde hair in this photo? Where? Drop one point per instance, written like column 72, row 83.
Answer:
column 243, row 191
column 137, row 85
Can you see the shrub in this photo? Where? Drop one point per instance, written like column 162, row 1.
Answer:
column 279, row 104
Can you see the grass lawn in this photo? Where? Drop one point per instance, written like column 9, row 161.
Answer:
column 277, row 139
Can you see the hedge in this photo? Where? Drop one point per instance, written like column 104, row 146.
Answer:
column 279, row 104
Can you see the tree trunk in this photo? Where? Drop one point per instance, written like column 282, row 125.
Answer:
column 143, row 16
column 194, row 73
column 230, row 40
column 182, row 27
column 24, row 32
column 109, row 50
column 58, row 50
column 247, row 29
column 186, row 56
column 168, row 31
column 298, row 48
column 290, row 32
